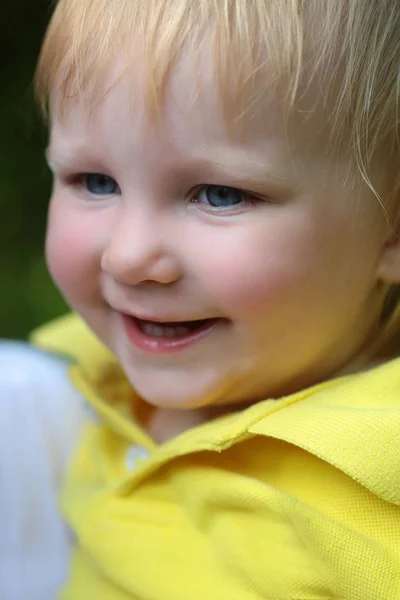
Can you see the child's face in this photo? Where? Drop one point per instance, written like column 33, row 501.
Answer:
column 288, row 276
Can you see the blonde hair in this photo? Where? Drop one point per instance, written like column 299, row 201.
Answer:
column 348, row 49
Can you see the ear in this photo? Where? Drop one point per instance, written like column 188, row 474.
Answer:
column 389, row 266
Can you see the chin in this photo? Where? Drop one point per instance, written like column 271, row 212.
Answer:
column 167, row 394
column 177, row 401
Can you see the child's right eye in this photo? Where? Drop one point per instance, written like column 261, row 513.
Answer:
column 98, row 184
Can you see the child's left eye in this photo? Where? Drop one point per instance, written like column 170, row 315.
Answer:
column 219, row 196
column 99, row 184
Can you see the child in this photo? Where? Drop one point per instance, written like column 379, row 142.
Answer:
column 224, row 220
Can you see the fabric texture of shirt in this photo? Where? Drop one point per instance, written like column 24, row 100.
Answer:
column 290, row 499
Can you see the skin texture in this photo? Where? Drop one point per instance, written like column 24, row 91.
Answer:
column 297, row 270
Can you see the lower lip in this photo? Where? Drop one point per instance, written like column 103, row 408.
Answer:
column 160, row 345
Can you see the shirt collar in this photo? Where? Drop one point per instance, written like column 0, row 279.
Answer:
column 351, row 422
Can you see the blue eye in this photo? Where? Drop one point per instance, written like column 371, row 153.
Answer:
column 100, row 185
column 218, row 196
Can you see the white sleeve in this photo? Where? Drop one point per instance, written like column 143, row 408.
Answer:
column 40, row 418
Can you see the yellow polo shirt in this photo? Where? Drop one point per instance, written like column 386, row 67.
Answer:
column 297, row 498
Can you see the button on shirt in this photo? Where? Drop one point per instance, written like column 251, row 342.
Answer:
column 134, row 455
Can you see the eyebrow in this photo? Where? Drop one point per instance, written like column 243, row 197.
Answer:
column 52, row 158
column 243, row 171
column 61, row 157
column 237, row 170
column 57, row 157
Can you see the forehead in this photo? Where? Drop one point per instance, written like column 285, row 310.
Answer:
column 190, row 90
column 193, row 106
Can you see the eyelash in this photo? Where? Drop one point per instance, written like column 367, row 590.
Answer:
column 80, row 180
column 248, row 198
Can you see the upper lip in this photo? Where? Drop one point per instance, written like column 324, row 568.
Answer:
column 160, row 318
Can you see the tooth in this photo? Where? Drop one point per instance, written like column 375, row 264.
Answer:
column 182, row 330
column 153, row 330
column 165, row 331
column 169, row 332
column 158, row 331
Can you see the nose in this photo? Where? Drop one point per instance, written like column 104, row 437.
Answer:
column 140, row 249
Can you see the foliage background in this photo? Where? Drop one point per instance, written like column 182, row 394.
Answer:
column 27, row 296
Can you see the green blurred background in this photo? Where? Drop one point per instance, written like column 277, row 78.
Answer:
column 27, row 296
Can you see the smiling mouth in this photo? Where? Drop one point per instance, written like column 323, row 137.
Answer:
column 171, row 336
column 172, row 330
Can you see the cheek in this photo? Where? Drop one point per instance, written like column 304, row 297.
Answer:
column 69, row 253
column 255, row 273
